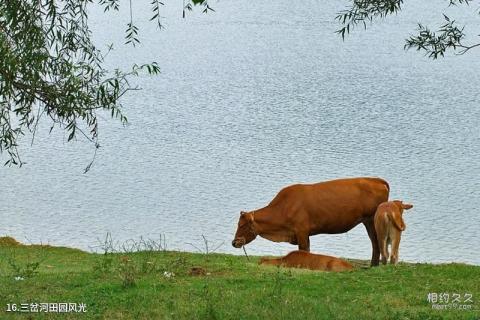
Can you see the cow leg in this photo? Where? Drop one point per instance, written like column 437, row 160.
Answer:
column 293, row 240
column 395, row 246
column 372, row 234
column 383, row 244
column 303, row 242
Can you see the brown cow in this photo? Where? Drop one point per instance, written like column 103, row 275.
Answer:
column 389, row 225
column 302, row 210
column 307, row 260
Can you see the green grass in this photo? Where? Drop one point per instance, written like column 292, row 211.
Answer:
column 133, row 286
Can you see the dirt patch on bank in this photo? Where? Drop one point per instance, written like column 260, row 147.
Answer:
column 9, row 242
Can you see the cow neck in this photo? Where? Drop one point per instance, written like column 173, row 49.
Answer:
column 261, row 220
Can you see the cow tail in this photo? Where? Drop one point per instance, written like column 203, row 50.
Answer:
column 397, row 220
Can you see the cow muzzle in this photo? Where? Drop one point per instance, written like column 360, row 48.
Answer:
column 238, row 242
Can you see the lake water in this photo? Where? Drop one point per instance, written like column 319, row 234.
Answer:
column 254, row 97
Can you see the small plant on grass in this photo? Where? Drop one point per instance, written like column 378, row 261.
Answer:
column 278, row 280
column 277, row 293
column 28, row 268
column 25, row 271
column 179, row 264
column 208, row 298
column 144, row 249
column 127, row 272
column 148, row 249
column 207, row 250
column 105, row 264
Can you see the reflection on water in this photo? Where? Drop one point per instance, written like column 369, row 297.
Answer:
column 253, row 98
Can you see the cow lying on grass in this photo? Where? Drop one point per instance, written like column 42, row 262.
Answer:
column 389, row 225
column 307, row 260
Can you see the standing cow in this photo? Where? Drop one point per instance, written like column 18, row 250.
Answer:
column 303, row 210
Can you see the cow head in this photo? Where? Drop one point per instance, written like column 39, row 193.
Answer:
column 245, row 230
column 398, row 215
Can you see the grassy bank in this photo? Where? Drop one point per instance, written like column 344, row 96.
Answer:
column 156, row 284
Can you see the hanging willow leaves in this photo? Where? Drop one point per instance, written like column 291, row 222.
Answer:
column 434, row 43
column 51, row 70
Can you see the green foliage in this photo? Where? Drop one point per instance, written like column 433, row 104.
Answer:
column 209, row 298
column 156, row 12
column 22, row 268
column 49, row 68
column 26, row 270
column 188, row 6
column 127, row 271
column 363, row 11
column 104, row 265
column 434, row 44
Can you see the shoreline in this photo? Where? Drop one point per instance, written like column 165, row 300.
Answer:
column 12, row 242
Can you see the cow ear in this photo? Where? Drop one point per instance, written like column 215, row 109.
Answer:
column 399, row 204
column 242, row 213
column 407, row 206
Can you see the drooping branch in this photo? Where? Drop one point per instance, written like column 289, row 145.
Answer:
column 434, row 44
column 363, row 11
column 49, row 67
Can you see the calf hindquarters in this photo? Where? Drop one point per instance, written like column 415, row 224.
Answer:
column 388, row 226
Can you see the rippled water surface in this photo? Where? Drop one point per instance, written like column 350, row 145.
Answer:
column 254, row 97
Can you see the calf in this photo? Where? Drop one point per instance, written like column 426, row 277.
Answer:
column 389, row 225
column 307, row 260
